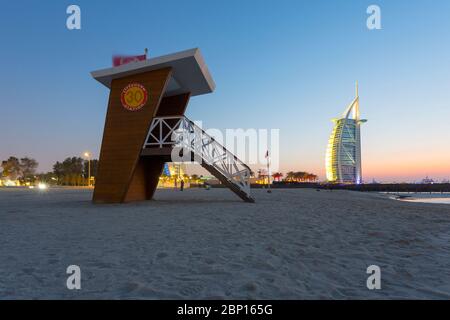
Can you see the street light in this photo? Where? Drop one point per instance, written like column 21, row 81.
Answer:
column 87, row 154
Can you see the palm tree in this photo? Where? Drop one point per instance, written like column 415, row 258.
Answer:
column 277, row 176
column 299, row 176
column 290, row 176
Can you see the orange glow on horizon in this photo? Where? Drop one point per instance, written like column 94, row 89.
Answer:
column 401, row 168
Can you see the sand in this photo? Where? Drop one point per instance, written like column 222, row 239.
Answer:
column 199, row 244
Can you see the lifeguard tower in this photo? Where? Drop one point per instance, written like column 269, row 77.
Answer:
column 145, row 125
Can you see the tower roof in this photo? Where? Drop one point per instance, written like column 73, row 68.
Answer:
column 189, row 72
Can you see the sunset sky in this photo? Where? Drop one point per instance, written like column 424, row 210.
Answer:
column 290, row 65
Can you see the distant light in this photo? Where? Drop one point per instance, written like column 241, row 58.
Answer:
column 10, row 183
column 31, row 187
column 42, row 186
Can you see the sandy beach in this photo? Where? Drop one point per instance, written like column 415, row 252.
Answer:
column 199, row 244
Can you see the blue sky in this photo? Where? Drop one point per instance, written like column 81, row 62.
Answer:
column 290, row 65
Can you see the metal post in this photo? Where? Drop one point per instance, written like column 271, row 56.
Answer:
column 89, row 172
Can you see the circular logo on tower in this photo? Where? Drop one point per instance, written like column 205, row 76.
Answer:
column 134, row 96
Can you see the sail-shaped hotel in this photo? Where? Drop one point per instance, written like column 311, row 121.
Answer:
column 343, row 157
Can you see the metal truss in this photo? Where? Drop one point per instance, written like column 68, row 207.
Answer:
column 187, row 139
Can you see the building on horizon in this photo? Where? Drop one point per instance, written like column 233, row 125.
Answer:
column 343, row 156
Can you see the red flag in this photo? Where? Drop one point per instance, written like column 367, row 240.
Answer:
column 120, row 60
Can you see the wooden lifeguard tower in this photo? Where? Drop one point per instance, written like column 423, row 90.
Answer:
column 145, row 126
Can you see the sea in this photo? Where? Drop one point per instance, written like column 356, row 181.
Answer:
column 435, row 197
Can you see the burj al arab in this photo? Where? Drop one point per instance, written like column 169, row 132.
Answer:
column 343, row 156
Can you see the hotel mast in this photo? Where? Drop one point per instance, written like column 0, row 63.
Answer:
column 343, row 157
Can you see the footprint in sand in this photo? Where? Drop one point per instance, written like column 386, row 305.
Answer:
column 161, row 255
column 272, row 250
column 191, row 291
column 28, row 270
column 250, row 286
column 209, row 261
column 130, row 287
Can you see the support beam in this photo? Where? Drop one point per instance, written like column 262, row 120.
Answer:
column 145, row 179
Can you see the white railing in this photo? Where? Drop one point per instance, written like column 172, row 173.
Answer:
column 186, row 138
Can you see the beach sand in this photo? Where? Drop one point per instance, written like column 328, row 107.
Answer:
column 200, row 244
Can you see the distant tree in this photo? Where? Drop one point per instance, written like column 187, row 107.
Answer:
column 300, row 176
column 48, row 178
column 277, row 176
column 28, row 168
column 23, row 169
column 11, row 168
column 290, row 176
column 70, row 171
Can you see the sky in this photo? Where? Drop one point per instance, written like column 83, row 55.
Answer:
column 288, row 65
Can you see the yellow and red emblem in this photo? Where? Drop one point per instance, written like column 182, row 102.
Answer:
column 134, row 96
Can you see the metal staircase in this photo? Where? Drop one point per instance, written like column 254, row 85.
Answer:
column 187, row 141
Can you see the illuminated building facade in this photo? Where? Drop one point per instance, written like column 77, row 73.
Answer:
column 343, row 157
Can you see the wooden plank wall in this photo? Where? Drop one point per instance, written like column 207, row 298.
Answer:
column 123, row 137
